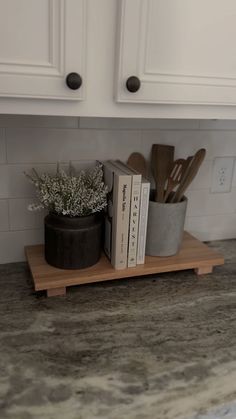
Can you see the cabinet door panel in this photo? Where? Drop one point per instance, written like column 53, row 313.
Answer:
column 40, row 43
column 181, row 51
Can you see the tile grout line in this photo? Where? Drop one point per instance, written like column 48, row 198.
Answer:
column 5, row 143
column 8, row 211
column 7, row 199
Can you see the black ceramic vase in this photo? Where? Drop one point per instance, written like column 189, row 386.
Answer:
column 73, row 242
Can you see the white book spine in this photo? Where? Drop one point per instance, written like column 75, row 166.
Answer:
column 134, row 211
column 120, row 225
column 134, row 221
column 143, row 217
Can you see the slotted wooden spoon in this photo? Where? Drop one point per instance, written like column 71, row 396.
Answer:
column 175, row 177
column 189, row 175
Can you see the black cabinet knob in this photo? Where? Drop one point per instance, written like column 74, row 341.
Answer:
column 133, row 84
column 74, row 81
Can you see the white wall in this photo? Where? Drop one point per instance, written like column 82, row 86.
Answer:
column 40, row 142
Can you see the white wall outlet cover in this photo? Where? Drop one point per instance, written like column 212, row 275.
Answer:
column 222, row 174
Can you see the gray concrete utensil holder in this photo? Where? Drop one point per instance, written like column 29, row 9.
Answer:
column 165, row 227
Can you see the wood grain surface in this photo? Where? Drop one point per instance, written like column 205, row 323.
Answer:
column 193, row 255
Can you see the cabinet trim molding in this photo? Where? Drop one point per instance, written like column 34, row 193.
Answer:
column 64, row 24
column 158, row 86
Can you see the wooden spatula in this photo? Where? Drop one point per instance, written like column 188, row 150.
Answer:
column 190, row 174
column 138, row 162
column 175, row 177
column 162, row 157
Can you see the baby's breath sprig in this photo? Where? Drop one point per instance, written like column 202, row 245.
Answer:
column 73, row 194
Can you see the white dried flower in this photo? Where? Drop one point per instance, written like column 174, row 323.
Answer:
column 73, row 194
column 35, row 207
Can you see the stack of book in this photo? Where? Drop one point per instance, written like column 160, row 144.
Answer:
column 126, row 216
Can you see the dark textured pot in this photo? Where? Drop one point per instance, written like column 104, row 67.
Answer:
column 73, row 242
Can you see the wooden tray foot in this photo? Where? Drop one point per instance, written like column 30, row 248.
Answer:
column 53, row 292
column 203, row 270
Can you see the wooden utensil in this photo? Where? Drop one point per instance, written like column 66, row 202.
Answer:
column 162, row 157
column 175, row 177
column 190, row 174
column 185, row 167
column 138, row 162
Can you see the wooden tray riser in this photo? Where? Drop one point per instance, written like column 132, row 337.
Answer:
column 193, row 255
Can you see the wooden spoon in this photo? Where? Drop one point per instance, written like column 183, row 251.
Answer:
column 138, row 162
column 175, row 177
column 190, row 174
column 162, row 157
column 185, row 167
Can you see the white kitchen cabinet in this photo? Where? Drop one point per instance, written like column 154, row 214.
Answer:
column 41, row 42
column 182, row 51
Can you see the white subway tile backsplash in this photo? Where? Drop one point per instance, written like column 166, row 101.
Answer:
column 41, row 142
column 4, row 181
column 12, row 244
column 38, row 145
column 3, row 152
column 212, row 227
column 203, row 177
column 234, row 175
column 4, row 215
column 83, row 164
column 201, row 202
column 215, row 124
column 21, row 218
column 15, row 184
column 186, row 143
column 31, row 121
column 138, row 123
column 48, row 146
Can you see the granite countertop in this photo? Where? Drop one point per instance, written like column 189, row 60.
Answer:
column 160, row 347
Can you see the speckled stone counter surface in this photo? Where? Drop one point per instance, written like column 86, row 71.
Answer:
column 161, row 347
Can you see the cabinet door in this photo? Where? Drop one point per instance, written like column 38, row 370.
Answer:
column 41, row 41
column 181, row 50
